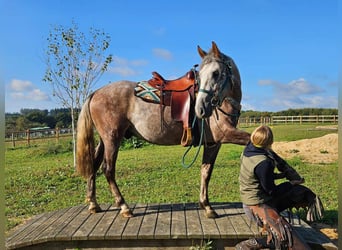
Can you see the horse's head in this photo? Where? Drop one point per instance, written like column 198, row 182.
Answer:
column 219, row 79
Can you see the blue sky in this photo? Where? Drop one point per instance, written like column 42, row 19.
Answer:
column 286, row 50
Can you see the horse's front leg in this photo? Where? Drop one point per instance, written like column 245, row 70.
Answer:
column 209, row 157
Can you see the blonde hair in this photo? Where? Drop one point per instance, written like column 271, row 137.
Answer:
column 262, row 137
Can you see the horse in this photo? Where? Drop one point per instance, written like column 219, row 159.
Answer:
column 116, row 112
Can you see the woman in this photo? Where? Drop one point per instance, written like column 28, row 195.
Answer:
column 262, row 199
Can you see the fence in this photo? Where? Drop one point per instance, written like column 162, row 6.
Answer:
column 34, row 134
column 300, row 119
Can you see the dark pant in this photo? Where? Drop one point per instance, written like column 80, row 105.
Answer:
column 298, row 196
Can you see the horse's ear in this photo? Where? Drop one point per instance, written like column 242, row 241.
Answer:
column 215, row 50
column 201, row 52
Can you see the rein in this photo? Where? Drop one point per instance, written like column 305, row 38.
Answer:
column 236, row 106
column 199, row 146
column 216, row 102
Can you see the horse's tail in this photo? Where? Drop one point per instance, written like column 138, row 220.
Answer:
column 85, row 142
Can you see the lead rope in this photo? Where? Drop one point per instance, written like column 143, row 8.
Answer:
column 199, row 147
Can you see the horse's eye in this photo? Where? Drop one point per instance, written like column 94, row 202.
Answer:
column 216, row 74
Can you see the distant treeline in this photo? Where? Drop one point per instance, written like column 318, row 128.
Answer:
column 32, row 118
column 61, row 118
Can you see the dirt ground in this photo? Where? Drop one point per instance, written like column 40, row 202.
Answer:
column 317, row 150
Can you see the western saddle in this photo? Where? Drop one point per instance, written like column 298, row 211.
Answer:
column 179, row 94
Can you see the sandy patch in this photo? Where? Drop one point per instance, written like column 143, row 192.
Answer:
column 317, row 150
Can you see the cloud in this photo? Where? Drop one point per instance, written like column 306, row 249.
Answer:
column 125, row 67
column 37, row 95
column 26, row 90
column 293, row 88
column 162, row 53
column 20, row 85
column 123, row 71
column 299, row 93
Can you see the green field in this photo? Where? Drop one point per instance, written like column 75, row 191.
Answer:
column 41, row 177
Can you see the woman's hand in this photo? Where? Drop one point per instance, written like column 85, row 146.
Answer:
column 297, row 182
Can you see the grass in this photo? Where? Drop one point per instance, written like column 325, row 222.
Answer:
column 41, row 178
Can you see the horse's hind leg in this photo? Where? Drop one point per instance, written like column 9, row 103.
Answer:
column 209, row 158
column 110, row 156
column 91, row 182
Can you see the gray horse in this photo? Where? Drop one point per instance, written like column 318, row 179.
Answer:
column 115, row 112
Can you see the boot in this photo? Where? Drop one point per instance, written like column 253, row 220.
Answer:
column 250, row 244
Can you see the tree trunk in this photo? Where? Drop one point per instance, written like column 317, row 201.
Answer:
column 73, row 135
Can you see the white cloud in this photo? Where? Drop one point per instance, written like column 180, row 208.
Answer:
column 37, row 95
column 20, row 85
column 297, row 87
column 293, row 88
column 123, row 71
column 267, row 82
column 25, row 90
column 298, row 93
column 125, row 67
column 162, row 53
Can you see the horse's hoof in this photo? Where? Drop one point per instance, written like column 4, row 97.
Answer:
column 211, row 214
column 126, row 213
column 94, row 210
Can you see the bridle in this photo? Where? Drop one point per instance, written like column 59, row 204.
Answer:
column 216, row 102
column 217, row 97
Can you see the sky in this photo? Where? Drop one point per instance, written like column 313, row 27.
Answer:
column 286, row 50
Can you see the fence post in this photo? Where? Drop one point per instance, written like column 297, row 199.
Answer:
column 28, row 137
column 13, row 141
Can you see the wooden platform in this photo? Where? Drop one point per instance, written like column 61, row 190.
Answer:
column 154, row 226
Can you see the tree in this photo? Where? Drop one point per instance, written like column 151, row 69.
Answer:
column 75, row 62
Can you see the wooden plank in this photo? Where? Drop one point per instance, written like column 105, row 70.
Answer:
column 64, row 216
column 30, row 238
column 118, row 226
column 20, row 239
column 241, row 227
column 104, row 224
column 87, row 227
column 163, row 227
column 133, row 225
column 223, row 222
column 153, row 226
column 193, row 223
column 178, row 225
column 67, row 232
column 209, row 227
column 149, row 223
column 251, row 224
column 15, row 233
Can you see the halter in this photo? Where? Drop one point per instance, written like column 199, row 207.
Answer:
column 217, row 98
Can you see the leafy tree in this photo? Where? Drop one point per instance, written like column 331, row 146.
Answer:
column 75, row 62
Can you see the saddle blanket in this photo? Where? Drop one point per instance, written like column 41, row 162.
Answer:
column 146, row 92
